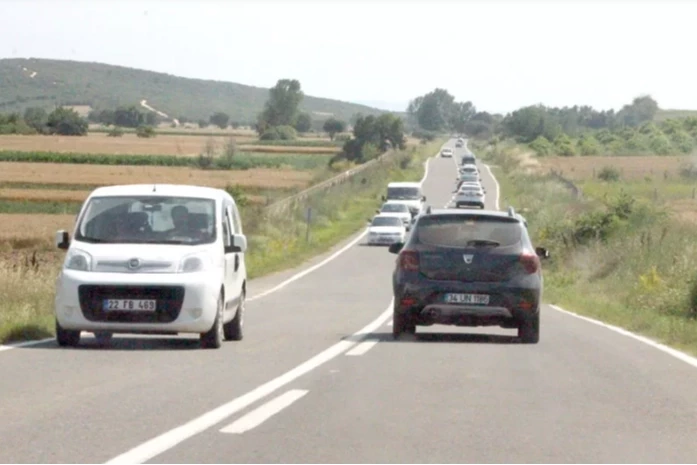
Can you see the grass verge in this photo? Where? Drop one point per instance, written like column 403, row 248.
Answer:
column 275, row 242
column 620, row 258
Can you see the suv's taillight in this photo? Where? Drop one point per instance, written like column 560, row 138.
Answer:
column 530, row 262
column 409, row 260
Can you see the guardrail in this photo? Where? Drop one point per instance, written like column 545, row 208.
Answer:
column 281, row 206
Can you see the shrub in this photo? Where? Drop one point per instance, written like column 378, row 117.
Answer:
column 609, row 174
column 145, row 131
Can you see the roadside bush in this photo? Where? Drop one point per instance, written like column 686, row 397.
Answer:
column 609, row 174
column 116, row 131
column 542, row 146
column 279, row 133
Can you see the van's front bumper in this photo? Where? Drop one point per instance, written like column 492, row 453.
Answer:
column 185, row 302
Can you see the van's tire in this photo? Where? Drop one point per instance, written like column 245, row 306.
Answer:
column 234, row 328
column 213, row 339
column 67, row 337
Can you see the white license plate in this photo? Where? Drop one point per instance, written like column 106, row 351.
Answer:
column 476, row 299
column 129, row 305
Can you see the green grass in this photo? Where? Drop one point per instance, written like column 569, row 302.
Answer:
column 275, row 243
column 40, row 206
column 240, row 161
column 638, row 273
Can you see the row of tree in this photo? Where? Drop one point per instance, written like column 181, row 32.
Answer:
column 61, row 121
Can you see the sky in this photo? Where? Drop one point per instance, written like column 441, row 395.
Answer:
column 500, row 55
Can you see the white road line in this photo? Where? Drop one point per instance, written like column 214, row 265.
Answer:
column 689, row 359
column 170, row 439
column 259, row 415
column 262, row 294
column 362, row 348
column 498, row 188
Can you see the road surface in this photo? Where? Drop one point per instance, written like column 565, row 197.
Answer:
column 304, row 386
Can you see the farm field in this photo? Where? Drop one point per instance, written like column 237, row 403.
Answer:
column 162, row 144
column 670, row 181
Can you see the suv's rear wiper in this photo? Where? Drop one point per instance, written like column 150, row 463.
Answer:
column 482, row 243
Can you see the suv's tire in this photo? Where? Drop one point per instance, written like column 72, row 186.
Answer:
column 529, row 330
column 67, row 337
column 213, row 339
column 401, row 324
column 233, row 329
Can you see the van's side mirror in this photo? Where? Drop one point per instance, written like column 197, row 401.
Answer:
column 238, row 244
column 62, row 239
column 384, row 198
column 377, row 211
column 396, row 247
column 423, row 198
column 542, row 252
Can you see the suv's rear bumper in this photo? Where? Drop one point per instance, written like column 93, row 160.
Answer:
column 507, row 308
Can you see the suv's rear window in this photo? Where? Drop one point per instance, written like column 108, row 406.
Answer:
column 457, row 231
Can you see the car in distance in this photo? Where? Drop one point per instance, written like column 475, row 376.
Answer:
column 467, row 269
column 469, row 169
column 409, row 193
column 386, row 230
column 153, row 259
column 398, row 209
column 470, row 196
column 446, row 152
column 467, row 178
column 468, row 159
column 460, row 143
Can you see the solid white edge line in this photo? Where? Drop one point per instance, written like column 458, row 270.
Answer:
column 259, row 415
column 362, row 348
column 690, row 360
column 5, row 347
column 175, row 436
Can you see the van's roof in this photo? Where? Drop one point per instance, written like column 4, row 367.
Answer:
column 165, row 190
column 404, row 184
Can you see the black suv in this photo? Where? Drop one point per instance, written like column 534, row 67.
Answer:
column 468, row 268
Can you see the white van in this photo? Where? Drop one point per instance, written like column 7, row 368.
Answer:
column 153, row 259
column 409, row 193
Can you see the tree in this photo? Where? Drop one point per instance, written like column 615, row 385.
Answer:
column 37, row 118
column 281, row 109
column 129, row 117
column 66, row 122
column 641, row 110
column 303, row 122
column 334, row 126
column 371, row 136
column 220, row 119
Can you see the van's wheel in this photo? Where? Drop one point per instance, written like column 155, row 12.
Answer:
column 66, row 337
column 233, row 328
column 213, row 339
column 103, row 337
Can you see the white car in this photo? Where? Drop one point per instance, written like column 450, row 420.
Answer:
column 446, row 152
column 409, row 193
column 153, row 259
column 398, row 209
column 386, row 229
column 470, row 195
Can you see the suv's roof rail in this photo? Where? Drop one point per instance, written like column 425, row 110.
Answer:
column 511, row 211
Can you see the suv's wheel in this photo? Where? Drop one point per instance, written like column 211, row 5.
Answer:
column 529, row 330
column 213, row 339
column 233, row 329
column 402, row 323
column 66, row 337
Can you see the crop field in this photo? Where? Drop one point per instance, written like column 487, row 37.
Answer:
column 182, row 145
column 670, row 181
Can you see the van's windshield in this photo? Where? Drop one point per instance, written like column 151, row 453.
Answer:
column 148, row 220
column 403, row 193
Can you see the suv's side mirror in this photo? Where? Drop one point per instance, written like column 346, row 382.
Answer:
column 62, row 239
column 542, row 252
column 396, row 247
column 423, row 198
column 238, row 244
column 384, row 198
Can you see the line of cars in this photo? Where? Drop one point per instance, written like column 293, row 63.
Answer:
column 403, row 202
column 468, row 268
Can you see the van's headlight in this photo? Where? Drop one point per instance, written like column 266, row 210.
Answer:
column 195, row 263
column 78, row 260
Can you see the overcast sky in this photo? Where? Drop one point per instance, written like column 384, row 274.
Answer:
column 500, row 55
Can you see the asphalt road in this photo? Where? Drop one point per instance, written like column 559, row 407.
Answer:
column 303, row 386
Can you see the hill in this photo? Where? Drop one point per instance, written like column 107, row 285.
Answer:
column 46, row 83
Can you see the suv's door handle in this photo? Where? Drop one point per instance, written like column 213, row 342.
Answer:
column 237, row 261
